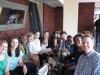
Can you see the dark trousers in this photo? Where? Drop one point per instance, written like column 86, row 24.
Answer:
column 69, row 72
column 31, row 68
column 97, row 37
column 42, row 57
column 17, row 71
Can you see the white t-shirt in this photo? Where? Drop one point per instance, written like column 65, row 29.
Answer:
column 44, row 49
column 33, row 49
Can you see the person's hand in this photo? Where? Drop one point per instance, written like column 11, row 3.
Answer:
column 72, row 68
column 40, row 52
column 65, row 50
column 24, row 69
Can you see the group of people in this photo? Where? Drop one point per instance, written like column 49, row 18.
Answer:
column 24, row 54
column 79, row 56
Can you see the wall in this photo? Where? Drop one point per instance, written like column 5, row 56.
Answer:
column 97, row 4
column 53, row 19
column 58, row 19
column 70, row 16
column 48, row 18
column 10, row 33
column 86, row 17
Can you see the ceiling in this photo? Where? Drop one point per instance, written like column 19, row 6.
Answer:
column 59, row 3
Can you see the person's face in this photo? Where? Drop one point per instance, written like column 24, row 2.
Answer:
column 30, row 39
column 46, row 35
column 1, row 48
column 78, row 41
column 37, row 35
column 87, row 44
column 5, row 45
column 64, row 37
column 70, row 40
column 14, row 43
column 24, row 39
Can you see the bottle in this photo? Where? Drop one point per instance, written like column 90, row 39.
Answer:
column 58, row 51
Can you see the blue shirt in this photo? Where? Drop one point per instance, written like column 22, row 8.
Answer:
column 65, row 45
column 14, row 61
column 88, row 64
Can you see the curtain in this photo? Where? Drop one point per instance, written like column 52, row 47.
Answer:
column 35, row 24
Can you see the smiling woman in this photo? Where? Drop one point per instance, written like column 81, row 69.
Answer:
column 12, row 15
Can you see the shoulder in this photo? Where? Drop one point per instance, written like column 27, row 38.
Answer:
column 81, row 57
column 95, row 55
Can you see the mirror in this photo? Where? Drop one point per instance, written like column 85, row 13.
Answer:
column 12, row 15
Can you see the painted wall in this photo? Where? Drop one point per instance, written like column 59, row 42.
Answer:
column 84, row 22
column 48, row 18
column 58, row 19
column 70, row 16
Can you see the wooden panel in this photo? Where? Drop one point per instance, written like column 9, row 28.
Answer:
column 58, row 19
column 48, row 18
column 10, row 33
column 86, row 17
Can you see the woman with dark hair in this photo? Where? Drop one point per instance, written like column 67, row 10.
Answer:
column 17, row 67
column 46, row 43
column 37, row 48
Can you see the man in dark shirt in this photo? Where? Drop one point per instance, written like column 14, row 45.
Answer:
column 97, row 25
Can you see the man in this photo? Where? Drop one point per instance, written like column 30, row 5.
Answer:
column 89, row 62
column 65, row 46
column 97, row 25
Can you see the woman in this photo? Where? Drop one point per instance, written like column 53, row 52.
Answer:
column 4, row 60
column 35, row 48
column 32, row 50
column 41, row 54
column 17, row 67
column 46, row 43
column 30, row 64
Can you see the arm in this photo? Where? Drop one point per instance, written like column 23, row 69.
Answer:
column 72, row 67
column 6, row 72
column 23, row 65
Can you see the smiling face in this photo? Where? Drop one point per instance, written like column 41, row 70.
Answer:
column 1, row 49
column 46, row 35
column 78, row 41
column 24, row 40
column 64, row 37
column 87, row 44
column 37, row 35
column 30, row 38
column 3, row 46
column 14, row 43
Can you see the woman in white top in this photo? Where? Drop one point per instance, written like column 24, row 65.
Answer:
column 36, row 41
column 32, row 49
column 46, row 43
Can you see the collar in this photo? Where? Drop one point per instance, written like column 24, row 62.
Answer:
column 90, row 53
